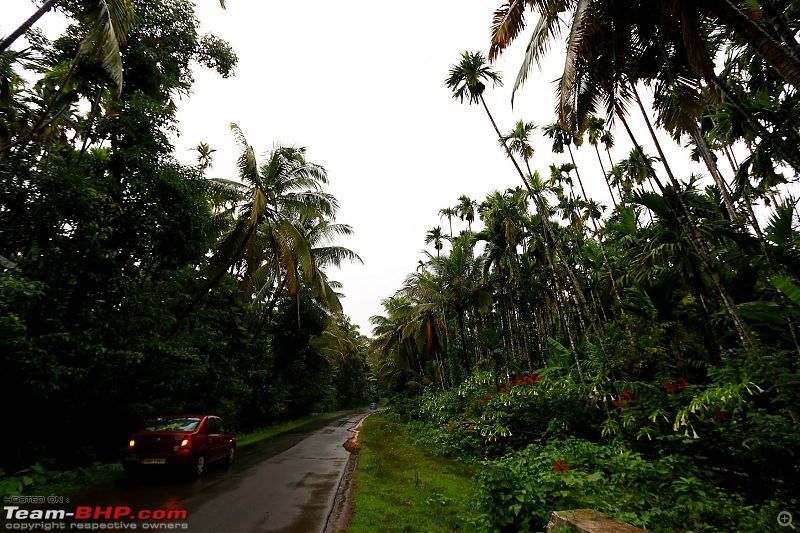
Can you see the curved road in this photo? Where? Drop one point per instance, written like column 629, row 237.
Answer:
column 287, row 483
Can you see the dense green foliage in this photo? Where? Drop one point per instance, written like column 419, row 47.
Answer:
column 651, row 349
column 126, row 289
column 547, row 442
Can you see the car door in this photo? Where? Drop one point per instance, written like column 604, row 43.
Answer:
column 226, row 438
column 215, row 449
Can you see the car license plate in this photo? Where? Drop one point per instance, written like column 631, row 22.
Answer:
column 153, row 461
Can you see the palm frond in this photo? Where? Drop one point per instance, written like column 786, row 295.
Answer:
column 547, row 28
column 507, row 22
column 574, row 45
column 108, row 23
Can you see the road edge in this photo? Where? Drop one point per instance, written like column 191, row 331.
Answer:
column 341, row 513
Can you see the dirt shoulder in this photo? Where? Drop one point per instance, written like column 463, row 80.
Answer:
column 343, row 509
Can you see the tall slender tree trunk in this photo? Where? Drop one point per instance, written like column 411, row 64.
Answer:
column 614, row 289
column 577, row 290
column 568, row 331
column 25, row 26
column 782, row 29
column 605, row 177
column 463, row 334
column 690, row 228
column 788, row 153
column 775, row 54
column 711, row 165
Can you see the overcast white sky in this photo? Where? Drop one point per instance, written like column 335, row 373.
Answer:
column 360, row 84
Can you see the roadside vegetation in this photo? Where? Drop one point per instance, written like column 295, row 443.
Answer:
column 638, row 358
column 132, row 285
column 403, row 487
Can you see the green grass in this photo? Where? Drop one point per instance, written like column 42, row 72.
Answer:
column 400, row 487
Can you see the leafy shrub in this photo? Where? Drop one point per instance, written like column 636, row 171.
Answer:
column 480, row 419
column 40, row 480
column 520, row 491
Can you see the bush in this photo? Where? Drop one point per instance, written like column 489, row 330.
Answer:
column 520, row 491
column 479, row 419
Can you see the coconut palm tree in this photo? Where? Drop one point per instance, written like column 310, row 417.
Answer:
column 204, row 157
column 106, row 25
column 393, row 342
column 589, row 23
column 340, row 341
column 265, row 220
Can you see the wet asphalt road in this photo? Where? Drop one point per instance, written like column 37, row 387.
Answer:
column 283, row 484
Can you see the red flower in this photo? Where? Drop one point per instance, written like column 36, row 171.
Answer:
column 620, row 404
column 480, row 401
column 488, row 396
column 472, row 426
column 449, row 427
column 675, row 387
column 626, row 395
column 503, row 390
column 560, row 466
column 537, row 378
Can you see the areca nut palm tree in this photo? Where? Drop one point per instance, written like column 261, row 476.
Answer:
column 518, row 141
column 466, row 209
column 436, row 237
column 466, row 80
column 449, row 212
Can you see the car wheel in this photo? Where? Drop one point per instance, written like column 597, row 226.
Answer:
column 230, row 456
column 199, row 466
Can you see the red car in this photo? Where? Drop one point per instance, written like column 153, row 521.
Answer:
column 186, row 441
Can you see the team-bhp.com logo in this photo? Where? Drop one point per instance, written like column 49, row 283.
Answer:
column 93, row 517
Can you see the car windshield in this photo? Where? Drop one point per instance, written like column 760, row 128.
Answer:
column 173, row 424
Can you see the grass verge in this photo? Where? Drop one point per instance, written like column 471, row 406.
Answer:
column 400, row 487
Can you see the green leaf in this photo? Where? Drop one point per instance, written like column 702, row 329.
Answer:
column 788, row 288
column 767, row 314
